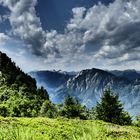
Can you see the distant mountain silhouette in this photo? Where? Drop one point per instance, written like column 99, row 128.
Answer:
column 128, row 74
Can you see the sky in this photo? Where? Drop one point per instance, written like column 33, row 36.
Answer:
column 71, row 35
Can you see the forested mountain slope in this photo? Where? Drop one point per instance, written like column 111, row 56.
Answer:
column 19, row 95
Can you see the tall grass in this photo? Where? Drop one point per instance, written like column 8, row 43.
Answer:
column 19, row 133
column 106, row 131
column 64, row 129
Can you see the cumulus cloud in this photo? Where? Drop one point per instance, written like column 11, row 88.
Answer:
column 112, row 31
column 114, row 28
column 96, row 36
column 26, row 25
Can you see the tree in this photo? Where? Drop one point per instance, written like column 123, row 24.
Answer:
column 48, row 109
column 110, row 109
column 43, row 93
column 72, row 108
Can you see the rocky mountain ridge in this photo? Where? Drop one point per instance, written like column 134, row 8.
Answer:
column 88, row 86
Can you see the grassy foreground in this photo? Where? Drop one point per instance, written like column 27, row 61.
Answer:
column 64, row 129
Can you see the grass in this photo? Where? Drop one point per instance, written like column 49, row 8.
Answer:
column 64, row 129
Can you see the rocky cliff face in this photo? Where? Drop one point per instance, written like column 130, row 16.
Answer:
column 51, row 80
column 88, row 87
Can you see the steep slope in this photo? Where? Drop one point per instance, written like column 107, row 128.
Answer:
column 19, row 95
column 89, row 84
column 51, row 80
column 13, row 75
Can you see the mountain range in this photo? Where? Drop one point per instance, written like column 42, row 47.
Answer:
column 88, row 86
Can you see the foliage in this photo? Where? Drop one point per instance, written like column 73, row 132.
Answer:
column 19, row 95
column 48, row 109
column 72, row 108
column 110, row 109
column 4, row 110
column 137, row 121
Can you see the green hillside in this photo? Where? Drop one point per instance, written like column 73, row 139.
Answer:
column 19, row 95
column 64, row 129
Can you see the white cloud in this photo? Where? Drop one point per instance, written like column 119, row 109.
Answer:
column 100, row 36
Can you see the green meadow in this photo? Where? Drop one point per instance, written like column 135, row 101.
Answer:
column 64, row 129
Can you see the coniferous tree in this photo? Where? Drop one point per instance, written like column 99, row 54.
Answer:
column 110, row 109
column 72, row 108
column 48, row 109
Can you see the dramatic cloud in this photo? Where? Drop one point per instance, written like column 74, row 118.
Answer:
column 26, row 25
column 100, row 36
column 115, row 29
